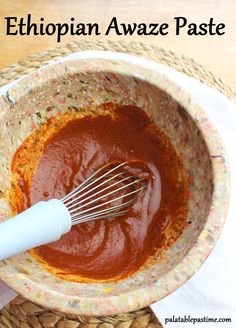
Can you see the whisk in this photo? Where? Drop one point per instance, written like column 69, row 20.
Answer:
column 108, row 193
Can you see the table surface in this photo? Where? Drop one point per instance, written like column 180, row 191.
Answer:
column 216, row 53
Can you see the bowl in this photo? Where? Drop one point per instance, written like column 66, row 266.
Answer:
column 94, row 78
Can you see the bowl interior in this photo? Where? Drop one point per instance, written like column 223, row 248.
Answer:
column 74, row 86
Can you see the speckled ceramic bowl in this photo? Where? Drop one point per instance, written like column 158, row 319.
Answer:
column 93, row 79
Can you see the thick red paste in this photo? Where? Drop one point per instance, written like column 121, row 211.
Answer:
column 109, row 249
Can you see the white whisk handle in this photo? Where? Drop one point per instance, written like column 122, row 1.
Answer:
column 42, row 223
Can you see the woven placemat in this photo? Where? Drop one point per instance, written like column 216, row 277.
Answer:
column 179, row 62
column 21, row 313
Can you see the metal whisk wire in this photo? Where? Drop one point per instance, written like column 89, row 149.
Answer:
column 87, row 201
column 107, row 193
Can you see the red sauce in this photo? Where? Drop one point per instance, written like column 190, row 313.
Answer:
column 107, row 249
